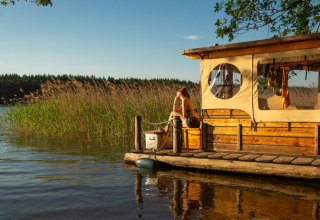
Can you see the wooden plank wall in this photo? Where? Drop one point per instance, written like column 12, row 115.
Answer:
column 231, row 129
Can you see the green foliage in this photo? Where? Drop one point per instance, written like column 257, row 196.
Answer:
column 14, row 87
column 38, row 2
column 282, row 18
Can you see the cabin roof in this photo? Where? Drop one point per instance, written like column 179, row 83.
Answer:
column 229, row 49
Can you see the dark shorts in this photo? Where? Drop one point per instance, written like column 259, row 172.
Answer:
column 193, row 122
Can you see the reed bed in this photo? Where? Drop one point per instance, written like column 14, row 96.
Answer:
column 300, row 97
column 92, row 113
column 303, row 97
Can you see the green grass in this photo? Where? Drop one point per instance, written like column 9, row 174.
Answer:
column 88, row 113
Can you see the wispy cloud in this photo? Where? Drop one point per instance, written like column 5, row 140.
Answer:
column 192, row 37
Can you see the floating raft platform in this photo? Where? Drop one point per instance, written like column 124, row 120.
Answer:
column 247, row 126
column 296, row 166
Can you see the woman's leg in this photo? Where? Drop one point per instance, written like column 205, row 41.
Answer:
column 173, row 114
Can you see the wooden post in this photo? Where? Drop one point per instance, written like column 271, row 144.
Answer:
column 239, row 137
column 137, row 133
column 319, row 83
column 317, row 140
column 204, row 138
column 177, row 134
column 185, row 133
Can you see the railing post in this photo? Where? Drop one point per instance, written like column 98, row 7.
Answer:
column 239, row 137
column 177, row 134
column 317, row 140
column 204, row 138
column 137, row 133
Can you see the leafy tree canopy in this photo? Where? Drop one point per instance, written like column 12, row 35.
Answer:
column 281, row 17
column 38, row 2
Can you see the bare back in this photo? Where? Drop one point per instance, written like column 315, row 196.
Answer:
column 189, row 108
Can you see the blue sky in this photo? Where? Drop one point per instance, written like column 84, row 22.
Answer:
column 116, row 38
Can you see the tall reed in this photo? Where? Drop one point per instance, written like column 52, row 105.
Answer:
column 91, row 113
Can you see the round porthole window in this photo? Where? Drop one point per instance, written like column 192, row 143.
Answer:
column 225, row 81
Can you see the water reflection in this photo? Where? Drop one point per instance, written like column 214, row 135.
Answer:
column 61, row 147
column 54, row 182
column 51, row 179
column 201, row 195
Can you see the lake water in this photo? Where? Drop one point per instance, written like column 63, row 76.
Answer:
column 45, row 181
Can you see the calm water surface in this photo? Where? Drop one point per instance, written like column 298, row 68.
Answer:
column 39, row 181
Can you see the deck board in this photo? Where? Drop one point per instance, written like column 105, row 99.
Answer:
column 301, row 167
column 186, row 154
column 303, row 160
column 266, row 158
column 249, row 157
column 284, row 159
column 233, row 156
column 217, row 155
column 316, row 162
column 203, row 154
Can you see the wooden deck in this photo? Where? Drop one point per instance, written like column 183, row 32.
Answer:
column 296, row 166
column 232, row 129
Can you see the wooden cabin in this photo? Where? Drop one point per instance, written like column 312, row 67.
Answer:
column 260, row 110
column 261, row 96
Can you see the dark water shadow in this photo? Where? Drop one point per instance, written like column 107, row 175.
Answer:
column 209, row 195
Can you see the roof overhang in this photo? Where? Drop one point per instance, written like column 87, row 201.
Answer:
column 252, row 47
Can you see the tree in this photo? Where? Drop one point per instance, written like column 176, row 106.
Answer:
column 281, row 17
column 38, row 2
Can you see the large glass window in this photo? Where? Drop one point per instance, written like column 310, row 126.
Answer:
column 224, row 81
column 289, row 83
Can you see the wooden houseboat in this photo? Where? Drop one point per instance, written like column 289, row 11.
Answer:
column 260, row 110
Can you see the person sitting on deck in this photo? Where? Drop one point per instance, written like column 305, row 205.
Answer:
column 189, row 114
